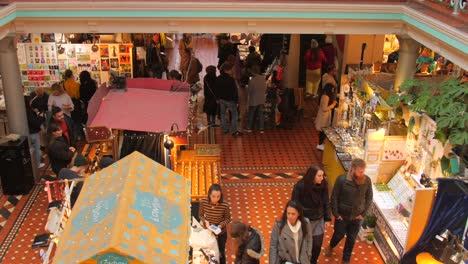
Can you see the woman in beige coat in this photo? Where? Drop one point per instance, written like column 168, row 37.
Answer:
column 291, row 238
column 185, row 52
column 327, row 103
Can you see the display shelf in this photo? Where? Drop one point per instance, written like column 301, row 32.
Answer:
column 402, row 211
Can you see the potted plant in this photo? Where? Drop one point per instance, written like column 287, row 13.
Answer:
column 445, row 102
column 368, row 225
column 370, row 239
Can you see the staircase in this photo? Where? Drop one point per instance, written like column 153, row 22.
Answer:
column 201, row 166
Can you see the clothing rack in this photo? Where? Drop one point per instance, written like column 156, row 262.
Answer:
column 62, row 191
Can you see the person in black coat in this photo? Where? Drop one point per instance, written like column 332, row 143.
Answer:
column 225, row 89
column 38, row 100
column 88, row 87
column 249, row 243
column 210, row 106
column 59, row 151
column 35, row 121
column 312, row 193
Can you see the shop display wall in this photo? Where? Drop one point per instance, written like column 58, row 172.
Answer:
column 43, row 64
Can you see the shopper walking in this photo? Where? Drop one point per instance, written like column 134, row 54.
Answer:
column 35, row 122
column 330, row 52
column 291, row 238
column 193, row 70
column 226, row 91
column 88, row 87
column 312, row 193
column 210, row 106
column 256, row 99
column 185, row 51
column 248, row 243
column 314, row 58
column 214, row 211
column 327, row 103
column 351, row 201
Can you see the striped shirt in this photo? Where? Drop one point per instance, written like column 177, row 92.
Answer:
column 216, row 214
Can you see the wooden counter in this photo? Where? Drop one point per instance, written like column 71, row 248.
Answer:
column 331, row 164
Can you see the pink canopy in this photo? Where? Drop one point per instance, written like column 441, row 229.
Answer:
column 145, row 110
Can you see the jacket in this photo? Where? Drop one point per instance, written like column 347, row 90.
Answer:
column 71, row 129
column 256, row 90
column 312, row 210
column 282, row 247
column 350, row 199
column 314, row 65
column 34, row 121
column 59, row 154
column 253, row 250
column 225, row 88
column 324, row 113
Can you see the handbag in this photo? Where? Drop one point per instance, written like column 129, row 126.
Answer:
column 178, row 136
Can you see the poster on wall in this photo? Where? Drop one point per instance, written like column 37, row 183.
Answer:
column 104, row 50
column 47, row 37
column 21, row 54
column 38, row 64
column 24, row 38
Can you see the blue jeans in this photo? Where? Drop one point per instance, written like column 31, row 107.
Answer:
column 350, row 228
column 232, row 106
column 258, row 109
column 35, row 147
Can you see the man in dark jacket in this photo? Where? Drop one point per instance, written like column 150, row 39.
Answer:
column 249, row 243
column 59, row 151
column 35, row 121
column 225, row 89
column 351, row 201
column 38, row 100
column 65, row 123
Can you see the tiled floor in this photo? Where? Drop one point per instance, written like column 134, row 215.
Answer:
column 259, row 171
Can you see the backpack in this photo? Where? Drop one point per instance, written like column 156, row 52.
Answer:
column 199, row 66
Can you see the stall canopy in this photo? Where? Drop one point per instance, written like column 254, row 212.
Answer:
column 135, row 211
column 140, row 109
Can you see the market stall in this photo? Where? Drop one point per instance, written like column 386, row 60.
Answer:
column 400, row 166
column 135, row 211
column 141, row 116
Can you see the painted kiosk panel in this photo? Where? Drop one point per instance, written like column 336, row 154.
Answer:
column 135, row 211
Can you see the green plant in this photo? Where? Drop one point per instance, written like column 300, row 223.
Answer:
column 446, row 102
column 370, row 221
column 370, row 237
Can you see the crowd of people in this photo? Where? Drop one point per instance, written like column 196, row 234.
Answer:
column 297, row 236
column 56, row 121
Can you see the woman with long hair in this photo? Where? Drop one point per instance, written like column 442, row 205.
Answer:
column 313, row 58
column 210, row 106
column 312, row 193
column 248, row 243
column 214, row 211
column 323, row 120
column 291, row 238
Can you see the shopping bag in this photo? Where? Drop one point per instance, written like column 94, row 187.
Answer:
column 203, row 240
column 53, row 220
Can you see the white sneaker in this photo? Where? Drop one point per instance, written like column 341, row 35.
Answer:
column 41, row 166
column 320, row 147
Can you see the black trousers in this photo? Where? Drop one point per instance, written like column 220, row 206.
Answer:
column 222, row 238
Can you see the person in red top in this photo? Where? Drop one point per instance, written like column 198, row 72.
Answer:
column 65, row 123
column 314, row 58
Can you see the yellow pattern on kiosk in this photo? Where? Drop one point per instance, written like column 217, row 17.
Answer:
column 134, row 211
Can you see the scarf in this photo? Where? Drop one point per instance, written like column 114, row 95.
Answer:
column 295, row 230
